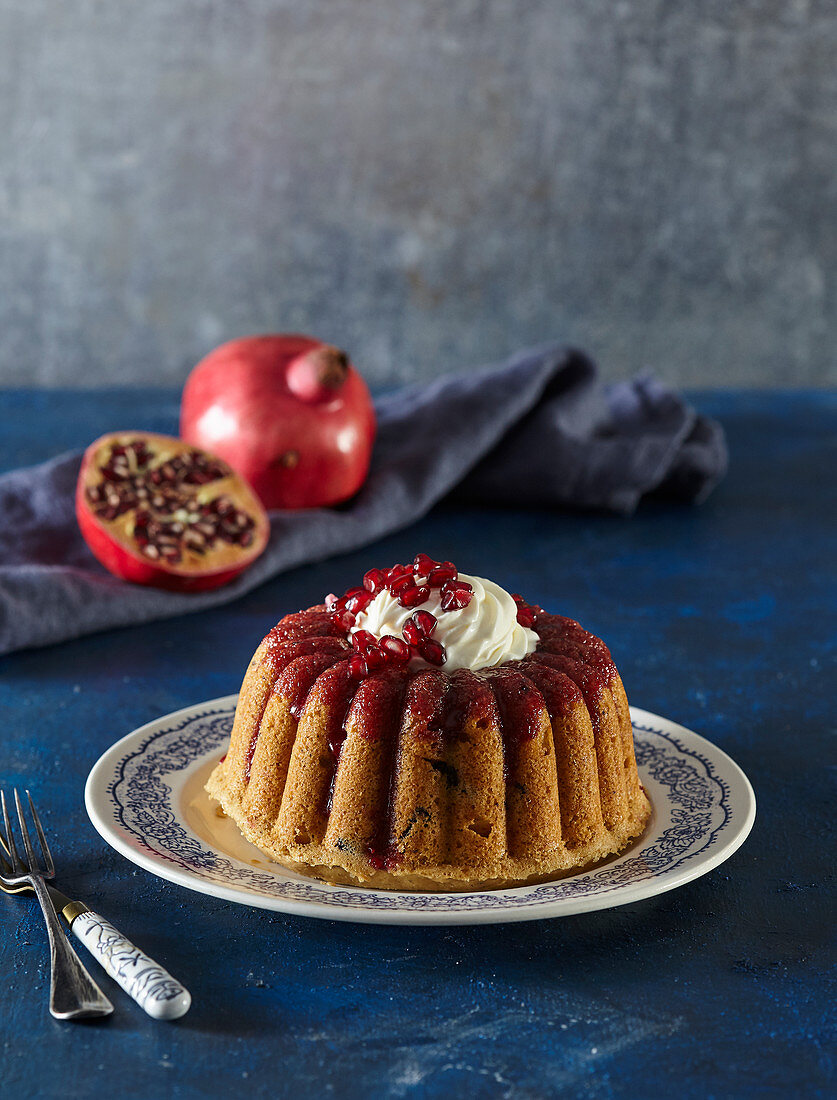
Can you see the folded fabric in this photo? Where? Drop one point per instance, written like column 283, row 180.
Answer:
column 537, row 430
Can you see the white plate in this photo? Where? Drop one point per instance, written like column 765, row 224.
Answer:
column 145, row 796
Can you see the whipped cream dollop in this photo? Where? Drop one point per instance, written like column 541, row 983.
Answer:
column 481, row 635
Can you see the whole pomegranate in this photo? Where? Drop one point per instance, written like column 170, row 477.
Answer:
column 289, row 412
column 156, row 511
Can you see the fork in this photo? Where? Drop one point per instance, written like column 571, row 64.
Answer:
column 72, row 992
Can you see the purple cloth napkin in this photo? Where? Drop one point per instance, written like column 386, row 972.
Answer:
column 539, row 429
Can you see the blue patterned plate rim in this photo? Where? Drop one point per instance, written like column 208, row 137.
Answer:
column 704, row 808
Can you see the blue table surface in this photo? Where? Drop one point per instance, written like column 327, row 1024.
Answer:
column 720, row 617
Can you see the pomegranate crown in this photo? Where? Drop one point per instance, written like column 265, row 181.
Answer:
column 318, row 374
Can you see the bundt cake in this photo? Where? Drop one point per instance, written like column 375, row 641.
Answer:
column 429, row 731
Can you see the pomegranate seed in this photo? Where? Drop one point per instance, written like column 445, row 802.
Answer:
column 459, row 586
column 362, row 641
column 397, row 571
column 422, row 564
column 374, row 581
column 375, row 659
column 425, row 622
column 401, row 584
column 432, row 651
column 525, row 616
column 343, row 620
column 411, row 632
column 456, row 595
column 358, row 667
column 412, row 597
column 357, row 600
column 397, row 650
column 442, row 574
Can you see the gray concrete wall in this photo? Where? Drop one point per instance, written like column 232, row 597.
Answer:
column 431, row 183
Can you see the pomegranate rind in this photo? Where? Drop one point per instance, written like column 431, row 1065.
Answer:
column 112, row 544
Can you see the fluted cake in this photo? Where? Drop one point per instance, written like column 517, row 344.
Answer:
column 429, row 731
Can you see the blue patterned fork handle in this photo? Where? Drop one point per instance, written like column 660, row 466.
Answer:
column 152, row 987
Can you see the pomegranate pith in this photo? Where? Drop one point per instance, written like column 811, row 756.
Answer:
column 156, row 511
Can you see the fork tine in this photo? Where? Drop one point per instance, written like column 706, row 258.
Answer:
column 50, row 866
column 17, row 863
column 27, row 843
column 5, row 865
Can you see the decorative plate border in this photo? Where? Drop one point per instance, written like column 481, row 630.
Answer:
column 704, row 809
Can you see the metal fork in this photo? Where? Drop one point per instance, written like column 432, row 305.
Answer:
column 72, row 992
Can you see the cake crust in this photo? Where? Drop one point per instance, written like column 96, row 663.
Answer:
column 426, row 780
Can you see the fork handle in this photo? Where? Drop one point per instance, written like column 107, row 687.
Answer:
column 72, row 992
column 152, row 987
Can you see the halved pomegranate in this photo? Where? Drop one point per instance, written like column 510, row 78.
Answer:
column 158, row 511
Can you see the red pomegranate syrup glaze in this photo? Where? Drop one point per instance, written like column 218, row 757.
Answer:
column 520, row 706
column 568, row 662
column 375, row 713
column 295, row 680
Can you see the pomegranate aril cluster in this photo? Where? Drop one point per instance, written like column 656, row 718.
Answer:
column 411, row 586
column 372, row 654
column 418, row 631
column 169, row 520
column 342, row 615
